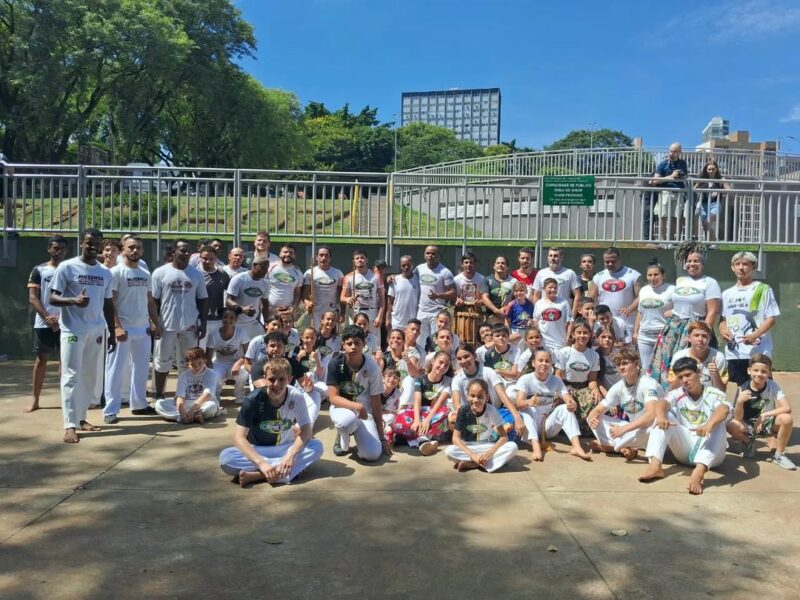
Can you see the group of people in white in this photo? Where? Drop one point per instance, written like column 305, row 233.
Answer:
column 484, row 363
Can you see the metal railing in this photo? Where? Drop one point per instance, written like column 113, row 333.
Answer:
column 630, row 162
column 404, row 207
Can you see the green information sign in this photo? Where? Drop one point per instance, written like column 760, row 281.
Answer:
column 568, row 190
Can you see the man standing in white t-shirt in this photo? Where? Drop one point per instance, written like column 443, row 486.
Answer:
column 749, row 312
column 362, row 289
column 136, row 319
column 437, row 289
column 285, row 282
column 568, row 283
column 323, row 293
column 617, row 286
column 235, row 262
column 403, row 295
column 470, row 285
column 248, row 295
column 180, row 293
column 81, row 287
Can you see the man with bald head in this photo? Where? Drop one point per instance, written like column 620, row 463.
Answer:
column 671, row 176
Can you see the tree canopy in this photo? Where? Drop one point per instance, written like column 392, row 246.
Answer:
column 585, row 138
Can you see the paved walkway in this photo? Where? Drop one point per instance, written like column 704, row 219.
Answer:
column 142, row 510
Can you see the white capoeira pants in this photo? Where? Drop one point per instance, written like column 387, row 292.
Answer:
column 231, row 459
column 313, row 404
column 646, row 346
column 170, row 340
column 557, row 419
column 81, row 367
column 131, row 359
column 214, row 325
column 365, row 431
column 504, row 453
column 687, row 447
column 223, row 371
column 406, row 392
column 168, row 408
column 633, row 439
column 426, row 329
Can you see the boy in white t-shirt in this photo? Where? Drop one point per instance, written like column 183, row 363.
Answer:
column 195, row 397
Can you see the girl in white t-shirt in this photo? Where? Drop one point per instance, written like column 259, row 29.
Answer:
column 655, row 304
column 607, row 349
column 547, row 407
column 578, row 367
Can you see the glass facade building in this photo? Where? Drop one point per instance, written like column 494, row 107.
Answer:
column 472, row 114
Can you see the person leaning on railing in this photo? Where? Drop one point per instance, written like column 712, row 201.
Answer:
column 710, row 203
column 671, row 174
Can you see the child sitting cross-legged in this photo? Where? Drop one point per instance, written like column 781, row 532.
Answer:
column 195, row 397
column 477, row 423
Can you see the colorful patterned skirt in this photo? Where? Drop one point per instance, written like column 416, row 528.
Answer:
column 673, row 337
column 439, row 429
column 583, row 396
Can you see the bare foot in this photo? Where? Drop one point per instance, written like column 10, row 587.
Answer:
column 466, row 465
column 536, row 451
column 248, row 477
column 629, row 453
column 70, row 436
column 86, row 426
column 198, row 418
column 695, row 485
column 653, row 472
column 33, row 406
column 581, row 453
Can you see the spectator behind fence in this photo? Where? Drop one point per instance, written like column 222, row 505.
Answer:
column 710, row 203
column 670, row 174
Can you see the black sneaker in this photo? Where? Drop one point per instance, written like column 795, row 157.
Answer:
column 144, row 411
column 337, row 446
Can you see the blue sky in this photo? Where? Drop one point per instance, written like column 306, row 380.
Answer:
column 656, row 70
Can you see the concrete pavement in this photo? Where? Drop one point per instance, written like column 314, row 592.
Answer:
column 141, row 509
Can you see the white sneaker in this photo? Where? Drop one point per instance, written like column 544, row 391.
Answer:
column 784, row 462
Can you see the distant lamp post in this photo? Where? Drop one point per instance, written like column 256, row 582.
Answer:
column 396, row 116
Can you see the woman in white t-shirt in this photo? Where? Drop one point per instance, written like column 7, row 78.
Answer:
column 655, row 303
column 696, row 298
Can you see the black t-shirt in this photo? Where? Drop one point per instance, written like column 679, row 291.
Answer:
column 267, row 424
column 477, row 428
column 216, row 283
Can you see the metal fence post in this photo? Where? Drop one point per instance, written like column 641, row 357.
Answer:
column 81, row 202
column 237, row 208
column 9, row 211
column 313, row 219
column 389, row 247
column 539, row 216
column 464, row 219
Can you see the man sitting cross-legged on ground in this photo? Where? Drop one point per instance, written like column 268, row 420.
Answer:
column 691, row 421
column 634, row 396
column 266, row 446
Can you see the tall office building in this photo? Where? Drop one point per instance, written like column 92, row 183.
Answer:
column 472, row 114
column 716, row 129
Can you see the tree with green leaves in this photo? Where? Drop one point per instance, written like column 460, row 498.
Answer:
column 422, row 144
column 585, row 138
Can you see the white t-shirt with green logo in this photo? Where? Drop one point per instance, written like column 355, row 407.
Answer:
column 577, row 365
column 326, row 286
column 283, row 281
column 653, row 303
column 246, row 291
column 745, row 309
column 695, row 413
column 690, row 296
column 631, row 399
column 368, row 287
column 438, row 280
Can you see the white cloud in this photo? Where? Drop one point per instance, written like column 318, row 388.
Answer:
column 734, row 22
column 755, row 19
column 793, row 116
